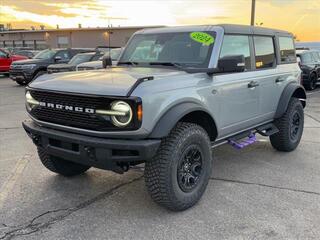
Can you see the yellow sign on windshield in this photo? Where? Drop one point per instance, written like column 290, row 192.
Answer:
column 202, row 37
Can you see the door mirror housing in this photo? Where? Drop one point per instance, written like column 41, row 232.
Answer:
column 106, row 61
column 233, row 63
column 57, row 59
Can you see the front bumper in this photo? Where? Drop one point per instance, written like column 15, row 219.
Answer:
column 21, row 75
column 102, row 153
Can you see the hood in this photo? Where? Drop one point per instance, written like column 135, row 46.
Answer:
column 61, row 65
column 18, row 57
column 109, row 82
column 31, row 61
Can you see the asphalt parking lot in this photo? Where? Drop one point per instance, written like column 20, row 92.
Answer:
column 255, row 193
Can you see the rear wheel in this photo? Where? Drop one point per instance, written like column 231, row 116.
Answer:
column 290, row 127
column 178, row 175
column 59, row 165
column 312, row 84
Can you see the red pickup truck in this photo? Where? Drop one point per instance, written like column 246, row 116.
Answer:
column 6, row 59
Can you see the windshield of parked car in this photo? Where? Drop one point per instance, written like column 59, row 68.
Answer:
column 192, row 49
column 80, row 58
column 306, row 57
column 45, row 54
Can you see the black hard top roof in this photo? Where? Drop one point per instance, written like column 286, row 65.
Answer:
column 228, row 28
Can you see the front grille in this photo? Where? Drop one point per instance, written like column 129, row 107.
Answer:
column 85, row 68
column 75, row 119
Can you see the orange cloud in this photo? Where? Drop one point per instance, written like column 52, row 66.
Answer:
column 300, row 17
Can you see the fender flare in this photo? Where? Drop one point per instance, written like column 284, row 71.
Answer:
column 291, row 90
column 170, row 118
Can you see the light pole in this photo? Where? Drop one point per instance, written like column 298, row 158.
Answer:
column 253, row 11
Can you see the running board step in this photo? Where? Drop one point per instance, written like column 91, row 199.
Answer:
column 243, row 143
column 267, row 130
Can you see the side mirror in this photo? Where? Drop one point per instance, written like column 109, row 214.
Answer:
column 106, row 61
column 8, row 55
column 234, row 63
column 57, row 59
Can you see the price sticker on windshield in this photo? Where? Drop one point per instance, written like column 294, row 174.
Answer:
column 202, row 37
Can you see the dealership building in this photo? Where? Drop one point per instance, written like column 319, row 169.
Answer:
column 68, row 37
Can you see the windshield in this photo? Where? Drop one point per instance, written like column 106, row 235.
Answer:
column 80, row 58
column 184, row 48
column 45, row 54
column 115, row 54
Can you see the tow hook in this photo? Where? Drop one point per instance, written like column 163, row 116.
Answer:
column 35, row 139
column 90, row 152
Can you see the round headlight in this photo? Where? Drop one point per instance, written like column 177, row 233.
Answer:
column 124, row 116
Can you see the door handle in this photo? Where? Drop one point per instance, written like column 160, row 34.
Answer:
column 253, row 84
column 280, row 79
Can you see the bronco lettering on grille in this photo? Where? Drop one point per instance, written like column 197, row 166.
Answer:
column 67, row 107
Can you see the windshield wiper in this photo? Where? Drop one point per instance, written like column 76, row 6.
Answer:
column 128, row 63
column 177, row 65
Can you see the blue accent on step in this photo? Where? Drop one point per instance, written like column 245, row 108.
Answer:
column 239, row 145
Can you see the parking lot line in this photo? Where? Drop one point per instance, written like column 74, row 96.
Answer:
column 13, row 177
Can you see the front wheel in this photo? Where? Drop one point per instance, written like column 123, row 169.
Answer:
column 290, row 127
column 177, row 176
column 59, row 165
column 21, row 82
column 312, row 84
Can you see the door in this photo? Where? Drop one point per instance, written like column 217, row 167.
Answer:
column 237, row 93
column 5, row 61
column 272, row 80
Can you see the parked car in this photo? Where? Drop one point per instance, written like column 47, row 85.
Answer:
column 6, row 59
column 27, row 53
column 114, row 54
column 309, row 61
column 175, row 94
column 72, row 64
column 308, row 45
column 25, row 71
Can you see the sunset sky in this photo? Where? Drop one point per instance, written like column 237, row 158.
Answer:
column 301, row 17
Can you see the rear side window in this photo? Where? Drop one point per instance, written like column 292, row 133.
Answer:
column 264, row 52
column 287, row 52
column 236, row 45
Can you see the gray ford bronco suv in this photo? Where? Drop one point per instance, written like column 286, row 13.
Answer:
column 175, row 94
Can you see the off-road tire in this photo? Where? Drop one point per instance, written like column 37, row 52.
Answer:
column 312, row 84
column 60, row 166
column 282, row 141
column 161, row 174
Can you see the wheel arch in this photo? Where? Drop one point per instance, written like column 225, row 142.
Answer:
column 291, row 90
column 185, row 112
column 313, row 72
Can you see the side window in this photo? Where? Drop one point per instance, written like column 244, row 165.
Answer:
column 287, row 52
column 264, row 52
column 64, row 54
column 236, row 45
